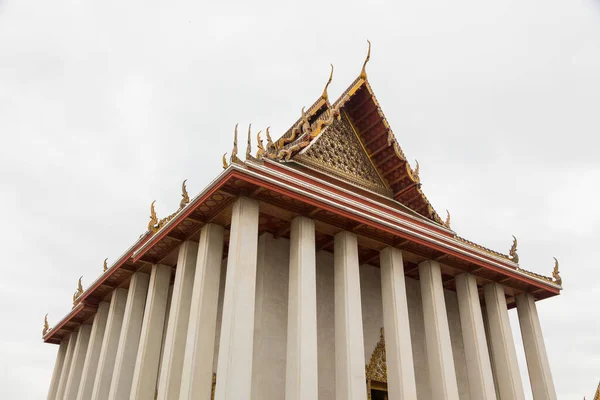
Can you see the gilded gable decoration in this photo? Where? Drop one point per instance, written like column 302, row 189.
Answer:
column 260, row 151
column 184, row 194
column 105, row 267
column 325, row 96
column 249, row 144
column 234, row 158
column 225, row 165
column 363, row 72
column 447, row 222
column 376, row 370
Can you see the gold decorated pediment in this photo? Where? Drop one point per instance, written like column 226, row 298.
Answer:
column 338, row 151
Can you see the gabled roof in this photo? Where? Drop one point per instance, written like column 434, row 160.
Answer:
column 352, row 140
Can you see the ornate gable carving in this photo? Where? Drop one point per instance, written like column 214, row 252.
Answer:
column 338, row 151
column 377, row 368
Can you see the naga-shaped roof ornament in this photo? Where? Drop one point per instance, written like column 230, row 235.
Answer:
column 46, row 326
column 184, row 194
column 152, row 224
column 513, row 251
column 79, row 290
column 105, row 267
column 325, row 96
column 447, row 223
column 270, row 143
column 363, row 73
column 249, row 145
column 556, row 274
column 225, row 165
column 234, row 151
column 260, row 149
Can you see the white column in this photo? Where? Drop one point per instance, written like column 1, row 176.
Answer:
column 442, row 375
column 349, row 343
column 301, row 362
column 92, row 357
column 58, row 365
column 196, row 377
column 120, row 387
column 83, row 338
column 479, row 368
column 149, row 350
column 64, row 375
column 399, row 357
column 538, row 366
column 508, row 377
column 110, row 344
column 234, row 370
column 177, row 325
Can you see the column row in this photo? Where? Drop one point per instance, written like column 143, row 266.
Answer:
column 124, row 353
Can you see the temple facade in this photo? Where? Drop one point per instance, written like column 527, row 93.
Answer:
column 316, row 268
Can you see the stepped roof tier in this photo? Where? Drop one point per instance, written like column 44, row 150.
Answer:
column 341, row 165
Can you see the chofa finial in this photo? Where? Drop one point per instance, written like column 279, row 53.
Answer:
column 447, row 223
column 270, row 143
column 105, row 265
column 184, row 194
column 556, row 274
column 153, row 218
column 325, row 96
column 249, row 145
column 260, row 149
column 513, row 251
column 225, row 165
column 46, row 326
column 363, row 73
column 79, row 290
column 234, row 151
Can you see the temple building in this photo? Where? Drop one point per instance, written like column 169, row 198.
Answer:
column 316, row 268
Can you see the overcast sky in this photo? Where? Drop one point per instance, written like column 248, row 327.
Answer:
column 106, row 106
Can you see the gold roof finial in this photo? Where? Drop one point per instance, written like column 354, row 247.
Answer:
column 513, row 251
column 249, row 145
column 79, row 291
column 46, row 326
column 260, row 148
column 153, row 218
column 234, row 151
column 184, row 194
column 270, row 143
column 105, row 264
column 225, row 165
column 555, row 273
column 363, row 73
column 416, row 171
column 325, row 96
column 447, row 223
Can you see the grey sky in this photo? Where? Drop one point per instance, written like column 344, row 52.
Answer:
column 106, row 106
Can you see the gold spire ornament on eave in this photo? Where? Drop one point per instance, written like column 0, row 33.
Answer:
column 152, row 225
column 185, row 197
column 260, row 149
column 363, row 72
column 105, row 265
column 79, row 290
column 225, row 165
column 447, row 223
column 556, row 274
column 249, row 143
column 325, row 96
column 234, row 158
column 513, row 251
column 46, row 326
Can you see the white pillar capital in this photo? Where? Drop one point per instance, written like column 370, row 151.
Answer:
column 400, row 366
column 538, row 366
column 504, row 355
column 442, row 375
column 301, row 362
column 479, row 368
